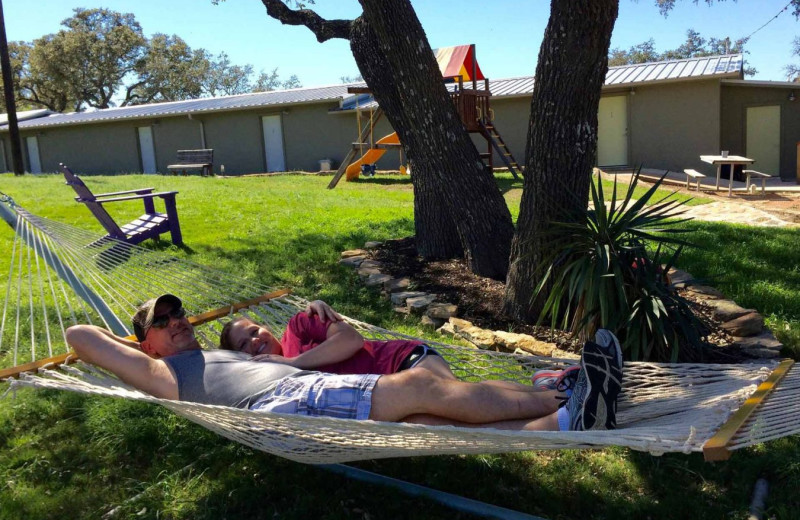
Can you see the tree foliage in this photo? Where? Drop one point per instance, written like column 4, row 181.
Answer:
column 665, row 6
column 793, row 70
column 169, row 71
column 101, row 58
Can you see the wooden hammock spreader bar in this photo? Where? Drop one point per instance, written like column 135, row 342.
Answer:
column 224, row 311
column 716, row 448
column 199, row 319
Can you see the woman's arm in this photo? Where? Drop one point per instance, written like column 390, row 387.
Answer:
column 342, row 342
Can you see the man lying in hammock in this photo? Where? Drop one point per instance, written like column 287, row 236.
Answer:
column 169, row 363
column 319, row 339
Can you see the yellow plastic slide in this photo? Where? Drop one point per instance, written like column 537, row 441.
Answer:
column 371, row 157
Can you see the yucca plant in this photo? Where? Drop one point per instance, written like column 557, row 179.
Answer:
column 601, row 274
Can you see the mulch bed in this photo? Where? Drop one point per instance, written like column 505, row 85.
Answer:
column 480, row 300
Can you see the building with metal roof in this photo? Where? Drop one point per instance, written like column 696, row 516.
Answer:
column 660, row 114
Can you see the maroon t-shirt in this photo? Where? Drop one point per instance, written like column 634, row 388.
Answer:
column 377, row 357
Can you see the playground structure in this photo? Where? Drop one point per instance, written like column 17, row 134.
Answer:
column 458, row 66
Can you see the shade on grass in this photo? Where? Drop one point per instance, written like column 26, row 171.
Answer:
column 63, row 455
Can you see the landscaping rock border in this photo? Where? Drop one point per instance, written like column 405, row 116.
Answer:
column 745, row 325
column 440, row 315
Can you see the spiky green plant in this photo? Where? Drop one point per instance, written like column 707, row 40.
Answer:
column 608, row 267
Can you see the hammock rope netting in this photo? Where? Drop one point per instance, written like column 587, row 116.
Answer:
column 60, row 275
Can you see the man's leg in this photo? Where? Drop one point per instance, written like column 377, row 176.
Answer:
column 418, row 391
column 440, row 367
column 546, row 423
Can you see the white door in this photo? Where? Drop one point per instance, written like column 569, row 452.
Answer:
column 764, row 138
column 147, row 149
column 33, row 154
column 612, row 131
column 273, row 143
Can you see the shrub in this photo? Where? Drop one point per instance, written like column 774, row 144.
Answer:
column 608, row 268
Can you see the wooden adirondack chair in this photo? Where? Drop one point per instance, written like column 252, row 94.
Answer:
column 149, row 225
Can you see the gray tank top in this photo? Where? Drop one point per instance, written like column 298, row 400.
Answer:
column 224, row 377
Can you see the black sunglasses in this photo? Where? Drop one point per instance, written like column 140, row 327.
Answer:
column 160, row 322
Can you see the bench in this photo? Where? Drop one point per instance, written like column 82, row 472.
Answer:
column 693, row 175
column 750, row 174
column 193, row 160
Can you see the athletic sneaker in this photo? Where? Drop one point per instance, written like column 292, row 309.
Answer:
column 560, row 380
column 593, row 404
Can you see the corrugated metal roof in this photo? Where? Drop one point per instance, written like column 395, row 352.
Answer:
column 710, row 66
column 713, row 66
column 25, row 115
column 195, row 106
column 729, row 66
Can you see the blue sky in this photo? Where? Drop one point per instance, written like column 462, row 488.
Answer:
column 507, row 33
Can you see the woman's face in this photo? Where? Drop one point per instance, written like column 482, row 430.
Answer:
column 253, row 339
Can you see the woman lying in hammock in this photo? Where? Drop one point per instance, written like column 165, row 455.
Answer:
column 168, row 362
column 319, row 339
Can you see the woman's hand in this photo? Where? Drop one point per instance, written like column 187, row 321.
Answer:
column 273, row 358
column 323, row 310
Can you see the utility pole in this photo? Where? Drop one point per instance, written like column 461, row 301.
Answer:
column 11, row 106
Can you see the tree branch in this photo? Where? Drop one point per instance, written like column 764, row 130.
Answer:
column 323, row 29
column 130, row 96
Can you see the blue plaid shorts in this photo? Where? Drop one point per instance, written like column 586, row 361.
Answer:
column 316, row 393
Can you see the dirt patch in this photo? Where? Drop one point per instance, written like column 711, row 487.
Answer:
column 480, row 300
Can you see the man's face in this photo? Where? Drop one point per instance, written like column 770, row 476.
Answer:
column 176, row 336
column 248, row 337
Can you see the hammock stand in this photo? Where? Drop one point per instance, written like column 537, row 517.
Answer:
column 67, row 276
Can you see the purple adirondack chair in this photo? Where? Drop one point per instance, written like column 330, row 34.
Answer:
column 149, row 225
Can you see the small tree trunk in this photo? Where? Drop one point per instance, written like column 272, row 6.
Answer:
column 411, row 92
column 436, row 233
column 562, row 137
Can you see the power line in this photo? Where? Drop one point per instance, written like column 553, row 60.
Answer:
column 747, row 38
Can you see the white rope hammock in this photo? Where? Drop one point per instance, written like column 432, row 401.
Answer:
column 60, row 275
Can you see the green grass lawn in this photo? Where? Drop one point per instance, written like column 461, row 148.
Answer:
column 64, row 455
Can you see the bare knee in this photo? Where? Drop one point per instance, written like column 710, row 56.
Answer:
column 436, row 365
column 405, row 393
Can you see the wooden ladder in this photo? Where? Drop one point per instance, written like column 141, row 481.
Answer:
column 493, row 136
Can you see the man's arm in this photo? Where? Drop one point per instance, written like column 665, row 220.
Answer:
column 342, row 342
column 123, row 357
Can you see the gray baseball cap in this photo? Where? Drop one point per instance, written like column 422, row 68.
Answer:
column 143, row 319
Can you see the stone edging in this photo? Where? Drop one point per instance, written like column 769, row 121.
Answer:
column 442, row 315
column 745, row 325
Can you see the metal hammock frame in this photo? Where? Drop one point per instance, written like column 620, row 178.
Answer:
column 60, row 275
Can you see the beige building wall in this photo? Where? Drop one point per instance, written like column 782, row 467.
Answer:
column 672, row 124
column 735, row 101
column 236, row 140
column 511, row 116
column 173, row 134
column 333, row 137
column 99, row 148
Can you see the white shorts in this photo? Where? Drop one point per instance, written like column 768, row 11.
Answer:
column 317, row 393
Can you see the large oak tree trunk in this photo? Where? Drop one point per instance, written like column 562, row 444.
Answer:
column 562, row 137
column 436, row 232
column 455, row 189
column 445, row 162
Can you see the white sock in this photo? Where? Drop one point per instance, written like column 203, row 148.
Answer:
column 563, row 419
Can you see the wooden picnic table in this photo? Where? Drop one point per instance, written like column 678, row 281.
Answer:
column 732, row 160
